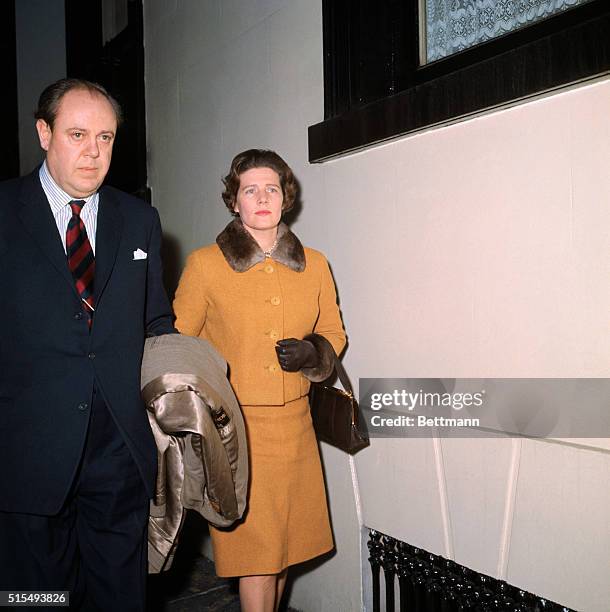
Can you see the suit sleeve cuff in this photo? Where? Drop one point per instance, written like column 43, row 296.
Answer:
column 326, row 359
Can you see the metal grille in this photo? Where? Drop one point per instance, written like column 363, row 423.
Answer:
column 424, row 582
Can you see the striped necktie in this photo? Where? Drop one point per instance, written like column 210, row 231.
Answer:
column 80, row 258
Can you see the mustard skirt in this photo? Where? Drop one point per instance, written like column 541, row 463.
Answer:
column 286, row 520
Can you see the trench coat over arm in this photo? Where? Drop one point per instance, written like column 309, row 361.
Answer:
column 244, row 302
column 205, row 467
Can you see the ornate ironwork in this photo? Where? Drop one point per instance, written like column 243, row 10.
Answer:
column 431, row 583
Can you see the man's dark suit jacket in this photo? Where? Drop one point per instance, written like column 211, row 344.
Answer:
column 50, row 362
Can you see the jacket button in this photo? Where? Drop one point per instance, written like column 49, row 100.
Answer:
column 78, row 316
column 273, row 368
column 273, row 335
column 91, row 355
column 275, row 300
column 82, row 407
column 268, row 269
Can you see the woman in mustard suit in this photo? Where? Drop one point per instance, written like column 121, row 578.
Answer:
column 269, row 306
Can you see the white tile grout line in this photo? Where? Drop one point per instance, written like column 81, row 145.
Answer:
column 509, row 508
column 358, row 505
column 443, row 498
column 356, row 488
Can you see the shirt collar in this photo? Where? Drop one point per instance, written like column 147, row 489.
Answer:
column 57, row 197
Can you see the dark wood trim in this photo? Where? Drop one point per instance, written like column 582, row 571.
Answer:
column 9, row 151
column 565, row 49
column 118, row 65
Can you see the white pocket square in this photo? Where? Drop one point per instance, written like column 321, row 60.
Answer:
column 139, row 254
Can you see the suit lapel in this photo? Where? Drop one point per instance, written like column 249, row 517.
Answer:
column 107, row 239
column 38, row 221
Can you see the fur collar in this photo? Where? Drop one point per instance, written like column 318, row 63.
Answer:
column 242, row 252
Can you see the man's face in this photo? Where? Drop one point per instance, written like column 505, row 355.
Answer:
column 79, row 147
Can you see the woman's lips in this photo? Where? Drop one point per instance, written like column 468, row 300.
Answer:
column 263, row 212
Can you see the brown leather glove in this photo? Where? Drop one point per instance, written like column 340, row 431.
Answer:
column 293, row 354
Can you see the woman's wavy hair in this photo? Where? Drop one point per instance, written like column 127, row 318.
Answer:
column 259, row 158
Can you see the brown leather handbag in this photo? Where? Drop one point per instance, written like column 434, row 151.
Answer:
column 335, row 414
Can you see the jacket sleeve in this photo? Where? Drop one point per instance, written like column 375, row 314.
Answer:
column 328, row 333
column 190, row 303
column 159, row 318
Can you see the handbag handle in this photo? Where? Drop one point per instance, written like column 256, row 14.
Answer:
column 347, row 385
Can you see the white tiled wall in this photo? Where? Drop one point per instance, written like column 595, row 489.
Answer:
column 478, row 249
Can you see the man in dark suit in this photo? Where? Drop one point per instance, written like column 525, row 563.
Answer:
column 81, row 289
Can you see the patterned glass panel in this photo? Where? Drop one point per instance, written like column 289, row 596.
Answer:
column 454, row 25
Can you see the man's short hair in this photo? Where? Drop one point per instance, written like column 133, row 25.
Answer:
column 50, row 98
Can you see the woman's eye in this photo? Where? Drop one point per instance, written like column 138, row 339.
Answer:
column 77, row 135
column 271, row 189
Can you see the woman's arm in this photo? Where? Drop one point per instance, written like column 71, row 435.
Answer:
column 328, row 334
column 190, row 303
column 329, row 322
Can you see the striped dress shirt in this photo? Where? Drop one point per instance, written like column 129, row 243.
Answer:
column 59, row 201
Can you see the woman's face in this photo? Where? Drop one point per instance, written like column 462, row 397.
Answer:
column 259, row 199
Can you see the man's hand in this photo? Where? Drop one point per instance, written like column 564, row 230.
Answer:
column 293, row 354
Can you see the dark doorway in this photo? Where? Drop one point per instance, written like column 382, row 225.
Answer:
column 118, row 65
column 9, row 149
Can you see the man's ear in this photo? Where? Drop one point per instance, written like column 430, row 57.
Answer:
column 44, row 133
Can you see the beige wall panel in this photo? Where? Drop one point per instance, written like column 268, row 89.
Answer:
column 476, row 249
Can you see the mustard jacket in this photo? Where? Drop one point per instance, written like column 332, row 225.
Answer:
column 244, row 302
